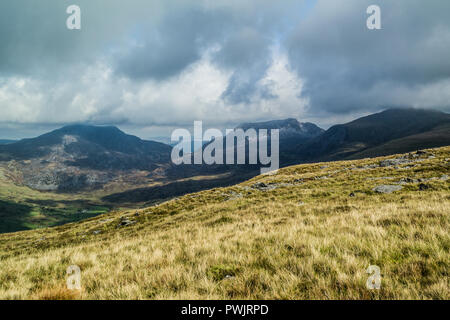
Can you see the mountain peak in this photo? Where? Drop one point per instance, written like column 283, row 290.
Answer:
column 405, row 128
column 88, row 144
column 288, row 127
column 403, row 119
column 87, row 130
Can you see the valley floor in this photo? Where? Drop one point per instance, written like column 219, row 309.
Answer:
column 307, row 232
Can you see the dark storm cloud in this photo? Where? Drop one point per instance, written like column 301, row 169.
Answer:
column 35, row 40
column 247, row 55
column 348, row 67
column 239, row 37
column 141, row 39
column 30, row 36
column 138, row 61
column 179, row 40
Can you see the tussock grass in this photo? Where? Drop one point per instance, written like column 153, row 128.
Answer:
column 57, row 293
column 305, row 239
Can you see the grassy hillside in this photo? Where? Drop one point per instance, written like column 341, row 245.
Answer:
column 307, row 232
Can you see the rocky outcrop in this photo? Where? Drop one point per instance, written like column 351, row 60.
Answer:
column 387, row 188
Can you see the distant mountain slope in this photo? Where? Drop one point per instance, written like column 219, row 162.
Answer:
column 388, row 132
column 349, row 140
column 6, row 141
column 291, row 133
column 289, row 128
column 91, row 147
column 436, row 137
column 77, row 157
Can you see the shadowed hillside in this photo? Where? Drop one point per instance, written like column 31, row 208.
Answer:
column 389, row 132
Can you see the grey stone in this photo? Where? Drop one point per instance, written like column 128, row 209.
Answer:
column 423, row 187
column 126, row 222
column 263, row 187
column 407, row 180
column 394, row 162
column 233, row 195
column 386, row 188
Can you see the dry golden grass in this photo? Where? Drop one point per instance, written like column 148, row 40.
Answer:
column 57, row 293
column 306, row 239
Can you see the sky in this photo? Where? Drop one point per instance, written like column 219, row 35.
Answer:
column 150, row 66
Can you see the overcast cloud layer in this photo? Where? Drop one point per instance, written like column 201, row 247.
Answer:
column 149, row 66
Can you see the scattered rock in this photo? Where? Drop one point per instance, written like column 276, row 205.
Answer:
column 394, row 162
column 444, row 177
column 281, row 185
column 387, row 188
column 96, row 232
column 136, row 214
column 300, row 203
column 407, row 180
column 259, row 185
column 369, row 166
column 234, row 196
column 352, row 195
column 423, row 187
column 380, row 178
column 126, row 222
column 263, row 187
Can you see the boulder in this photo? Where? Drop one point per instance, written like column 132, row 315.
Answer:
column 386, row 188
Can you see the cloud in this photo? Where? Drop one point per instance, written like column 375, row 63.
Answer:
column 247, row 54
column 101, row 97
column 163, row 51
column 144, row 64
column 348, row 68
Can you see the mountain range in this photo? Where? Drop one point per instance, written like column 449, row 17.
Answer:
column 80, row 171
column 79, row 157
column 388, row 132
